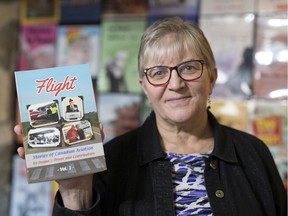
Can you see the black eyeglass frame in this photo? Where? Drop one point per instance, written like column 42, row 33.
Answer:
column 174, row 68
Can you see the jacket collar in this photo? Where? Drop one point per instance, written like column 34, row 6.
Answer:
column 149, row 148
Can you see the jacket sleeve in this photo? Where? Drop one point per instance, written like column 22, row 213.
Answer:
column 60, row 210
column 277, row 185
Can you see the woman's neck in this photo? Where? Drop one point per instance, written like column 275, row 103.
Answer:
column 193, row 137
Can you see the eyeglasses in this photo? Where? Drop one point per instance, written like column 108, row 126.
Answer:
column 188, row 71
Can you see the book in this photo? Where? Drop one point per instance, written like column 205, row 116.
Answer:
column 120, row 113
column 80, row 12
column 187, row 10
column 270, row 65
column 227, row 7
column 37, row 46
column 268, row 121
column 39, row 12
column 118, row 61
column 232, row 113
column 124, row 8
column 233, row 53
column 28, row 199
column 271, row 6
column 60, row 125
column 79, row 44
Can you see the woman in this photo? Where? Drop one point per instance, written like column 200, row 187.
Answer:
column 181, row 161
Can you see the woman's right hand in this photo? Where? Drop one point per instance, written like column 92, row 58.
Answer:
column 76, row 193
column 20, row 150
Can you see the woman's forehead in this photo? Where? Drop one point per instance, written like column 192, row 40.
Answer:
column 169, row 57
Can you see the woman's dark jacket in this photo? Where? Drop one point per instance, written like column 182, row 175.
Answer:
column 240, row 175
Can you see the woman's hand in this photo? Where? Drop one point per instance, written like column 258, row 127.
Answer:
column 76, row 193
column 20, row 150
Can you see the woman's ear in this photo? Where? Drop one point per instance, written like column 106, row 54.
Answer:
column 213, row 78
column 143, row 86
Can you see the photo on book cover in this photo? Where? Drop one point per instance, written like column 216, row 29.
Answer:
column 76, row 132
column 60, row 125
column 44, row 137
column 42, row 114
column 72, row 108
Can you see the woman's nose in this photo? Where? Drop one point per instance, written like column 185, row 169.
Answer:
column 175, row 80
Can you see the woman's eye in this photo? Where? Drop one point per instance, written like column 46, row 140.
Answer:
column 157, row 73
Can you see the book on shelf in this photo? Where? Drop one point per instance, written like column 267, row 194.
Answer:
column 60, row 125
column 79, row 44
column 39, row 12
column 120, row 113
column 37, row 46
column 118, row 59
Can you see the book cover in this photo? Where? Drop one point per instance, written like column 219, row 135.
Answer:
column 120, row 113
column 232, row 113
column 124, row 7
column 39, row 12
column 270, row 69
column 28, row 199
column 271, row 6
column 118, row 64
column 227, row 6
column 37, row 46
column 79, row 44
column 60, row 124
column 187, row 10
column 268, row 121
column 80, row 12
column 233, row 51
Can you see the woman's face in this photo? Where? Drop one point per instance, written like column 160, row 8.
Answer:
column 179, row 101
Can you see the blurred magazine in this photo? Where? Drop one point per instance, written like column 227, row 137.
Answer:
column 232, row 113
column 39, row 12
column 79, row 44
column 120, row 113
column 60, row 125
column 270, row 6
column 270, row 70
column 227, row 7
column 120, row 44
column 233, row 50
column 124, row 8
column 268, row 121
column 80, row 12
column 33, row 199
column 37, row 46
column 187, row 10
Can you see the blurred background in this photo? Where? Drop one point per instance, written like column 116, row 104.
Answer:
column 248, row 38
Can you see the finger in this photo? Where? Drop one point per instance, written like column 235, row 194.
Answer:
column 102, row 130
column 18, row 129
column 21, row 152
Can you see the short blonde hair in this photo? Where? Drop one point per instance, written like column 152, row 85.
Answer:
column 182, row 36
